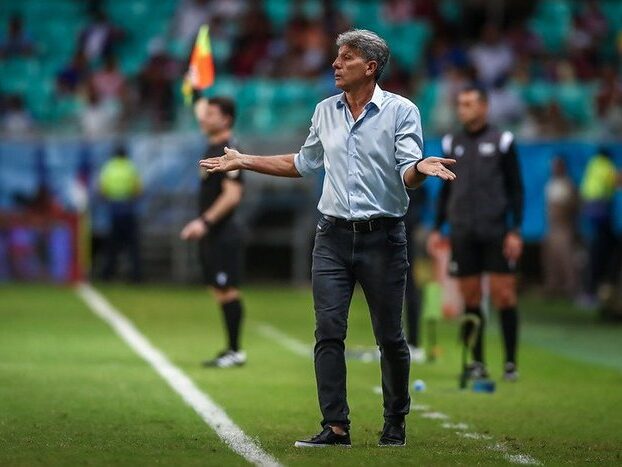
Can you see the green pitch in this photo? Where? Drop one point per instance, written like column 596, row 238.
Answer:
column 71, row 392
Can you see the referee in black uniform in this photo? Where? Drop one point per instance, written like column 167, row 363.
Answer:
column 215, row 228
column 484, row 208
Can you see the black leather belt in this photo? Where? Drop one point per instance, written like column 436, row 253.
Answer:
column 371, row 225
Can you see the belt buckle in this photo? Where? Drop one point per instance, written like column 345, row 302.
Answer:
column 366, row 226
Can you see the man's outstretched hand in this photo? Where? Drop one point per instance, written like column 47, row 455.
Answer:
column 436, row 167
column 231, row 160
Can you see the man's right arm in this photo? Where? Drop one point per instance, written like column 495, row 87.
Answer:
column 282, row 166
column 307, row 161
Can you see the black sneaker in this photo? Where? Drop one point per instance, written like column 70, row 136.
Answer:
column 226, row 359
column 477, row 370
column 510, row 372
column 327, row 437
column 393, row 435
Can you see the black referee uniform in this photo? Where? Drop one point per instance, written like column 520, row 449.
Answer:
column 485, row 201
column 220, row 249
column 482, row 205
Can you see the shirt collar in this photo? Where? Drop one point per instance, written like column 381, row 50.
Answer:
column 376, row 98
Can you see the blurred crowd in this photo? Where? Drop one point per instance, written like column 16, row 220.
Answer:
column 541, row 84
column 581, row 251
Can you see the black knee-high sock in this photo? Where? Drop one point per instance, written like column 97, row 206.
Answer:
column 478, row 348
column 509, row 327
column 232, row 313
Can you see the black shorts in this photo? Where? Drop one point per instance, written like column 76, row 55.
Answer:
column 221, row 252
column 472, row 255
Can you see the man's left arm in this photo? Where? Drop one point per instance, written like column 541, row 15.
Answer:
column 411, row 164
column 513, row 244
column 513, row 186
column 229, row 198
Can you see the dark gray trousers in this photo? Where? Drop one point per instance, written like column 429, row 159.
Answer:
column 378, row 262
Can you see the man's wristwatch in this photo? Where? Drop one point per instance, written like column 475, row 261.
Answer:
column 416, row 164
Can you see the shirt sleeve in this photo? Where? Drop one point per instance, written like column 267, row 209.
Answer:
column 443, row 198
column 408, row 140
column 513, row 181
column 310, row 158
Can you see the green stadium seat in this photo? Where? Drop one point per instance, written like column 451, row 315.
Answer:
column 576, row 101
column 538, row 93
column 65, row 108
column 408, row 42
column 426, row 101
column 552, row 23
column 224, row 86
column 278, row 11
column 17, row 73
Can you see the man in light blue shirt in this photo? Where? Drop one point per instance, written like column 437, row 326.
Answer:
column 362, row 155
column 369, row 142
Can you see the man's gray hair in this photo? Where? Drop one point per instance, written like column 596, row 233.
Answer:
column 371, row 45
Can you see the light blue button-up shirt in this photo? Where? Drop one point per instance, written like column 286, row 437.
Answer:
column 364, row 160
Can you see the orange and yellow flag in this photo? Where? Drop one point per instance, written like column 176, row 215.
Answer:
column 201, row 72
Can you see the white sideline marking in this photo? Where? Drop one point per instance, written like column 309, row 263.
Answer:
column 293, row 345
column 473, row 435
column 435, row 415
column 377, row 390
column 202, row 404
column 420, row 407
column 455, row 426
column 523, row 459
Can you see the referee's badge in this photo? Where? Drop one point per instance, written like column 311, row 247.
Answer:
column 221, row 278
column 487, row 149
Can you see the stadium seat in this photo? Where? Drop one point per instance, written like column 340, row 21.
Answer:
column 576, row 101
column 552, row 23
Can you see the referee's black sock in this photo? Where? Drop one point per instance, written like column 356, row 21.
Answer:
column 232, row 313
column 478, row 347
column 509, row 327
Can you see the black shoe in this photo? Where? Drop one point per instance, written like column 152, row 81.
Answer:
column 327, row 437
column 510, row 372
column 393, row 435
column 477, row 370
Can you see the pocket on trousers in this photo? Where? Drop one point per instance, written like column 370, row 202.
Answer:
column 323, row 226
column 396, row 235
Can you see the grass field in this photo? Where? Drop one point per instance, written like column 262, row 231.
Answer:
column 72, row 392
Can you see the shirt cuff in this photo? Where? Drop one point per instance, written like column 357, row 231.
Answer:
column 403, row 170
column 300, row 165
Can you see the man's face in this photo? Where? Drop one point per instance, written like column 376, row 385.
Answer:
column 210, row 118
column 471, row 107
column 351, row 68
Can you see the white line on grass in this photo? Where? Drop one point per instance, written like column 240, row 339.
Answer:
column 290, row 343
column 420, row 407
column 523, row 459
column 202, row 404
column 469, row 435
column 303, row 350
column 455, row 426
column 435, row 415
